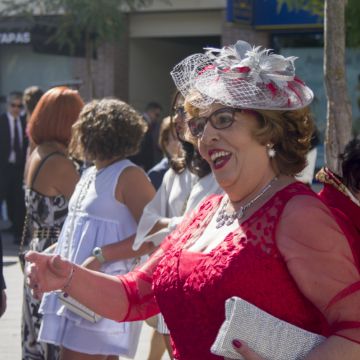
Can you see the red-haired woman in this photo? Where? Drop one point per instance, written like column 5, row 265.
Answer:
column 50, row 181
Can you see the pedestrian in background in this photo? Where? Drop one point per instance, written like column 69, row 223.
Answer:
column 31, row 97
column 149, row 153
column 171, row 149
column 13, row 145
column 50, row 182
column 188, row 181
column 99, row 230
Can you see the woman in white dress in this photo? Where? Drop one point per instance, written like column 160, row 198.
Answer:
column 99, row 230
column 187, row 182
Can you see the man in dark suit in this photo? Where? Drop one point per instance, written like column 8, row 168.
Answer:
column 13, row 145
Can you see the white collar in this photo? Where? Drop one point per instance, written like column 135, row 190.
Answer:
column 10, row 116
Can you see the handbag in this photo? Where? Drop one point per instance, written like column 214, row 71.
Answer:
column 77, row 308
column 268, row 336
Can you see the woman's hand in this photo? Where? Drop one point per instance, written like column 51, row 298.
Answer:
column 92, row 263
column 246, row 353
column 46, row 272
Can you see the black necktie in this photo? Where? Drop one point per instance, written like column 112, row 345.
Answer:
column 17, row 146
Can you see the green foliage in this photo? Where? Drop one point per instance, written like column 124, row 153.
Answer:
column 352, row 15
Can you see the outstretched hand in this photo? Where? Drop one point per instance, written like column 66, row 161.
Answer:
column 46, row 272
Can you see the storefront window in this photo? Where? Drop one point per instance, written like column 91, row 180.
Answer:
column 21, row 67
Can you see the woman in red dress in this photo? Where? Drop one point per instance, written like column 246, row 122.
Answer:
column 268, row 240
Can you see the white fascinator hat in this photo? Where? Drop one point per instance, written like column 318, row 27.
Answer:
column 242, row 76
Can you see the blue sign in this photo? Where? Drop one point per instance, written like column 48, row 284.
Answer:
column 264, row 14
column 267, row 16
column 239, row 11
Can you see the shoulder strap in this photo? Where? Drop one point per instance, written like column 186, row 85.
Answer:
column 37, row 171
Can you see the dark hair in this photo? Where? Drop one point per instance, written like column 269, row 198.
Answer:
column 31, row 97
column 54, row 115
column 106, row 129
column 14, row 95
column 166, row 130
column 153, row 105
column 192, row 159
column 351, row 165
column 315, row 138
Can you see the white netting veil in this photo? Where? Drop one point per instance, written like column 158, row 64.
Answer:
column 241, row 76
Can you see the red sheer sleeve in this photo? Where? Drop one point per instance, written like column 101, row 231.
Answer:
column 138, row 283
column 138, row 287
column 321, row 262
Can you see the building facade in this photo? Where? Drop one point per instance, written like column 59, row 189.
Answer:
column 154, row 39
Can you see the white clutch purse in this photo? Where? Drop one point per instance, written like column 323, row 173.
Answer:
column 78, row 308
column 268, row 336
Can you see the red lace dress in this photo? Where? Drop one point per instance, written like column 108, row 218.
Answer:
column 290, row 258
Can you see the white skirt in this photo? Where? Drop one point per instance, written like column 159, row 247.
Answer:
column 105, row 337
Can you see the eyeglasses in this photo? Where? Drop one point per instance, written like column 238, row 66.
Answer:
column 220, row 119
column 19, row 106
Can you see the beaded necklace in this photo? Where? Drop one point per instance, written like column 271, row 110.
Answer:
column 224, row 218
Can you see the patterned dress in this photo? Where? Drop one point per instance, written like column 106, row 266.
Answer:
column 46, row 214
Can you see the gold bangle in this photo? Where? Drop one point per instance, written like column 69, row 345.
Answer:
column 69, row 278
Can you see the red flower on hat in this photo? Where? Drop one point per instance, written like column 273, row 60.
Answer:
column 243, row 69
column 299, row 80
column 208, row 67
column 272, row 88
column 292, row 88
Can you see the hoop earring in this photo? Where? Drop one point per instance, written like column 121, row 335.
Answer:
column 270, row 150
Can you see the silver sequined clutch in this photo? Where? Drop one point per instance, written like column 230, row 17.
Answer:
column 271, row 338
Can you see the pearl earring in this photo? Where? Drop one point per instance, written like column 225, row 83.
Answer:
column 271, row 151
